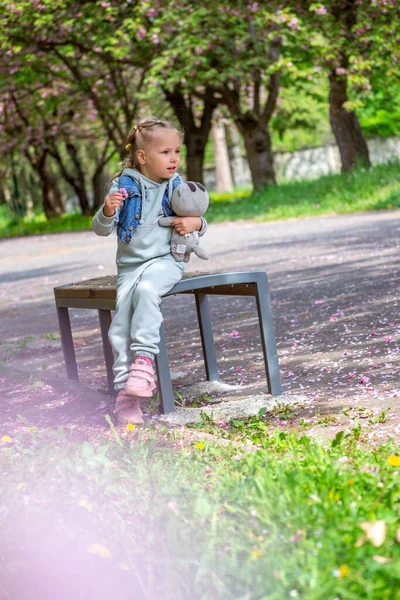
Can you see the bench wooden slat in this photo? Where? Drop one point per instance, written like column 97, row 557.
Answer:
column 105, row 288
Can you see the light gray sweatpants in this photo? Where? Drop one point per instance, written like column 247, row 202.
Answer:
column 135, row 328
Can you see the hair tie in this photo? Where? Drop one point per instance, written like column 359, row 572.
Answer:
column 128, row 147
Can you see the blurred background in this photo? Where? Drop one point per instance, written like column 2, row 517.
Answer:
column 266, row 94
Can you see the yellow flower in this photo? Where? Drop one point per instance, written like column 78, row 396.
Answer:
column 21, row 485
column 256, row 553
column 333, row 496
column 6, row 438
column 343, row 570
column 130, row 426
column 200, row 445
column 99, row 550
column 351, row 482
column 394, row 461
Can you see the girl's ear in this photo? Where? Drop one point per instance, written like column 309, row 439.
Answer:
column 141, row 156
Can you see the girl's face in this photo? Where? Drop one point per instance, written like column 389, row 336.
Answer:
column 161, row 158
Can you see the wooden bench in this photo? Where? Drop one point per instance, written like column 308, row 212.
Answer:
column 100, row 294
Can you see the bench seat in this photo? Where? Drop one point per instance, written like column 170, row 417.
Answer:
column 100, row 294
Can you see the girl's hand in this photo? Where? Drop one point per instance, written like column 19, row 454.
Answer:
column 111, row 202
column 183, row 225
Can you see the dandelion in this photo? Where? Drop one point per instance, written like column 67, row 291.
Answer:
column 6, row 438
column 130, row 426
column 342, row 571
column 394, row 461
column 199, row 446
column 256, row 553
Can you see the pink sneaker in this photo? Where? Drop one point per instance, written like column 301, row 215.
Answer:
column 140, row 382
column 127, row 409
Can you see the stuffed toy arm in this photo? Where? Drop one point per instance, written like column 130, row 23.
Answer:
column 166, row 221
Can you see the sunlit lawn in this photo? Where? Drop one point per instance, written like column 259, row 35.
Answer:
column 149, row 515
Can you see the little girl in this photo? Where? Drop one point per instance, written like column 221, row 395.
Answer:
column 139, row 196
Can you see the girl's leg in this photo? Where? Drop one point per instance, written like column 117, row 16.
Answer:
column 136, row 302
column 119, row 333
column 156, row 281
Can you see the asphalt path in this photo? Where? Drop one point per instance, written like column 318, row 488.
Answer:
column 334, row 284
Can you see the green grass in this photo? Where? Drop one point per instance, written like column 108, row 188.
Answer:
column 38, row 224
column 361, row 190
column 139, row 516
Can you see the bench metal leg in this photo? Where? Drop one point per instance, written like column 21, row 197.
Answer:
column 105, row 322
column 207, row 337
column 268, row 337
column 164, row 376
column 67, row 343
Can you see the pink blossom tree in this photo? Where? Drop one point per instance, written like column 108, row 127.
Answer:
column 352, row 40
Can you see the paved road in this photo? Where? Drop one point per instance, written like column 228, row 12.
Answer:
column 334, row 284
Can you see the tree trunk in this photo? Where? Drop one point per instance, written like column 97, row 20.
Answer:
column 222, row 163
column 76, row 178
column 195, row 143
column 99, row 186
column 239, row 166
column 345, row 126
column 52, row 199
column 195, row 138
column 257, row 142
column 78, row 182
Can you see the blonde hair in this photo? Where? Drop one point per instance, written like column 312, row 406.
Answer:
column 139, row 137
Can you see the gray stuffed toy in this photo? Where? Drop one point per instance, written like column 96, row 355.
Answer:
column 189, row 199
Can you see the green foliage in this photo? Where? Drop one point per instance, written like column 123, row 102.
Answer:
column 132, row 512
column 301, row 117
column 380, row 115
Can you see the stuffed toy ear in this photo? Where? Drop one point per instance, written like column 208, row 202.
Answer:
column 190, row 199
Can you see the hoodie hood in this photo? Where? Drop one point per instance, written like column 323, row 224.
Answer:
column 148, row 184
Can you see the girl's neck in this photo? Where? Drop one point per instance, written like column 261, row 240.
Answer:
column 143, row 171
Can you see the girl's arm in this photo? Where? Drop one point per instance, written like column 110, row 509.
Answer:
column 106, row 217
column 185, row 225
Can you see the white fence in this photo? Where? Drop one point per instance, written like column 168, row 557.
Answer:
column 307, row 163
